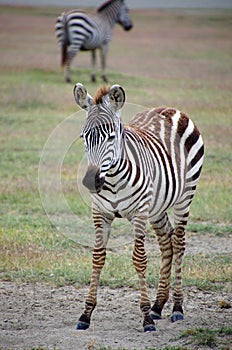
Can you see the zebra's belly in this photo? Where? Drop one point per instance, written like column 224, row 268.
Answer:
column 91, row 44
column 124, row 199
column 124, row 204
column 86, row 47
column 159, row 205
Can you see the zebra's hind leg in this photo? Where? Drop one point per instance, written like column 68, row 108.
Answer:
column 140, row 263
column 102, row 229
column 164, row 230
column 72, row 51
column 178, row 244
column 93, row 76
column 181, row 213
column 67, row 73
column 103, row 52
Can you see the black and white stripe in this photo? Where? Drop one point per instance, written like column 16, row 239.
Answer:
column 77, row 30
column 137, row 172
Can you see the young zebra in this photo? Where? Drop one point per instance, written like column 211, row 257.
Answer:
column 137, row 172
column 77, row 30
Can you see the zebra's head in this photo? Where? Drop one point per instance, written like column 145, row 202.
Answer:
column 102, row 132
column 123, row 17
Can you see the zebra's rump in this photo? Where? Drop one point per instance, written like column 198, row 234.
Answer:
column 81, row 29
column 74, row 24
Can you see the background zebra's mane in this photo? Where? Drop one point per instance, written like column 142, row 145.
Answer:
column 103, row 6
column 102, row 91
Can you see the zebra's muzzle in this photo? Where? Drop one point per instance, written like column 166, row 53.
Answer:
column 128, row 27
column 92, row 179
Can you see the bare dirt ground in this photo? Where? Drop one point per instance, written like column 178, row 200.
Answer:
column 40, row 315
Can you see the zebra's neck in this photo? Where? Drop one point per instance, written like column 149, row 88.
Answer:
column 110, row 12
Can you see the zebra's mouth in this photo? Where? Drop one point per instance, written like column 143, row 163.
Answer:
column 128, row 27
column 92, row 180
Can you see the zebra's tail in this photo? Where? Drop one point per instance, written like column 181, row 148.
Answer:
column 65, row 41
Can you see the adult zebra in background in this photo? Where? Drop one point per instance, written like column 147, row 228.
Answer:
column 77, row 30
column 137, row 172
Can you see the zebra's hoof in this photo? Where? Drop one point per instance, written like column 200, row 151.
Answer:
column 177, row 316
column 155, row 316
column 149, row 328
column 93, row 78
column 104, row 78
column 82, row 326
column 148, row 324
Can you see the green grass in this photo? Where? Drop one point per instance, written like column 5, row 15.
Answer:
column 208, row 337
column 36, row 253
column 34, row 100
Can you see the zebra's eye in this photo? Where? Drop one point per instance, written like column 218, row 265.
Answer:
column 111, row 136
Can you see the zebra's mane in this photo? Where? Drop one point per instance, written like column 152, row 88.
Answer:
column 102, row 91
column 104, row 5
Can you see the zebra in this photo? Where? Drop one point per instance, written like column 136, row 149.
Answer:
column 138, row 171
column 77, row 30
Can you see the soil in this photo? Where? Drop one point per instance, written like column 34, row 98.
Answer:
column 43, row 316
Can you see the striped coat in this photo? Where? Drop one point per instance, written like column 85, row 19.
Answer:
column 168, row 168
column 137, row 172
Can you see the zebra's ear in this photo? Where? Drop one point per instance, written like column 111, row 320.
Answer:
column 117, row 97
column 83, row 99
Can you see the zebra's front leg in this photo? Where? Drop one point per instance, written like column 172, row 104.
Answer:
column 102, row 229
column 178, row 244
column 139, row 258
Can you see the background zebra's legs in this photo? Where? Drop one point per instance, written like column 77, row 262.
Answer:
column 72, row 51
column 67, row 75
column 140, row 263
column 93, row 75
column 102, row 229
column 164, row 230
column 103, row 52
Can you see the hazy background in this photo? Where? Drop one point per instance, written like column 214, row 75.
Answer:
column 131, row 3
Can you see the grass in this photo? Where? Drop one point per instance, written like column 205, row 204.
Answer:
column 37, row 254
column 34, row 100
column 208, row 337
